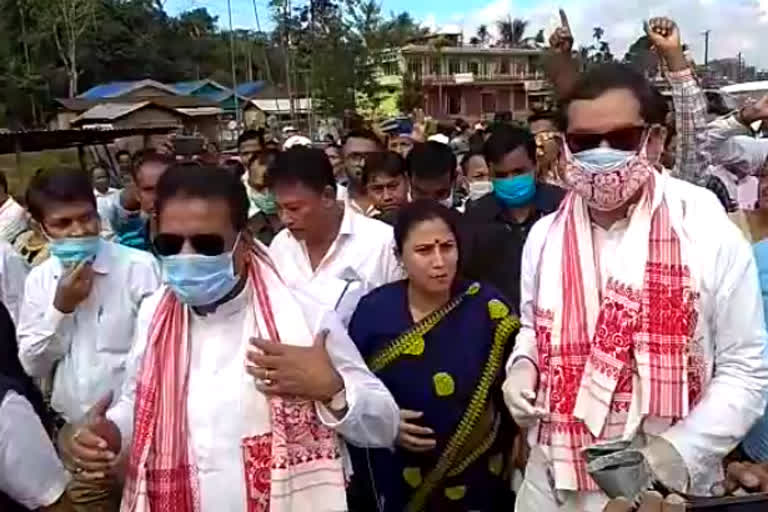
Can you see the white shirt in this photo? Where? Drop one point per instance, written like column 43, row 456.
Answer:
column 360, row 259
column 90, row 345
column 104, row 205
column 14, row 219
column 13, row 273
column 730, row 331
column 30, row 471
column 216, row 424
column 342, row 194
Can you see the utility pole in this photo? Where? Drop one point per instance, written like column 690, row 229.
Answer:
column 706, row 49
column 234, row 72
column 738, row 69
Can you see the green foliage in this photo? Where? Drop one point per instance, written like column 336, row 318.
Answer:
column 332, row 47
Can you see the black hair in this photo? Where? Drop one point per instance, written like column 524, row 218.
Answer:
column 476, row 142
column 302, row 165
column 543, row 115
column 121, row 153
column 3, row 182
column 204, row 182
column 430, row 160
column 251, row 135
column 367, row 134
column 467, row 156
column 388, row 163
column 58, row 185
column 423, row 210
column 234, row 166
column 610, row 76
column 150, row 156
column 506, row 138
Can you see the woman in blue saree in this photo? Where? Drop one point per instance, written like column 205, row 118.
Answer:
column 439, row 345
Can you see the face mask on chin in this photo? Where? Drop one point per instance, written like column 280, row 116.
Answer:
column 605, row 177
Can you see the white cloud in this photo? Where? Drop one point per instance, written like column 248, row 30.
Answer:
column 735, row 25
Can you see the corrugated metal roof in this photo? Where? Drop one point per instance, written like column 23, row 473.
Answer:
column 115, row 89
column 110, row 111
column 280, row 105
column 82, row 104
column 249, row 89
column 201, row 111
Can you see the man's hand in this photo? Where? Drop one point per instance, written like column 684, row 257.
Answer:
column 757, row 111
column 89, row 448
column 748, row 476
column 664, row 35
column 519, row 390
column 413, row 437
column 74, row 287
column 305, row 372
column 650, row 502
column 561, row 39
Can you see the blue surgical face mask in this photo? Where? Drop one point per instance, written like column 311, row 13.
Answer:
column 71, row 251
column 199, row 280
column 515, row 191
column 603, row 159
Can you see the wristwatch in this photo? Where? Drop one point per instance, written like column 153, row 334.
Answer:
column 338, row 402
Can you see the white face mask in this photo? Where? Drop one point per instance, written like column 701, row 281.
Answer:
column 448, row 201
column 603, row 159
column 478, row 189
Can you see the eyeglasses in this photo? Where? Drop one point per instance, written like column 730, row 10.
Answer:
column 168, row 244
column 625, row 139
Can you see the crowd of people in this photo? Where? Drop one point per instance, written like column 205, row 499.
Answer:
column 560, row 315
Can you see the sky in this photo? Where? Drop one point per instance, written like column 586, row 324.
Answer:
column 735, row 25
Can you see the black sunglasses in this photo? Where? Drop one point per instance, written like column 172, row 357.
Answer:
column 168, row 244
column 625, row 139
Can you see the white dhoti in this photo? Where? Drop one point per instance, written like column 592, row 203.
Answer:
column 537, row 495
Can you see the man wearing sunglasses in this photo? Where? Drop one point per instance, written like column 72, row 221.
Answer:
column 79, row 309
column 236, row 405
column 640, row 310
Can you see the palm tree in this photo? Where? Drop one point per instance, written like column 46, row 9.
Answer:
column 511, row 31
column 597, row 33
column 483, row 35
column 474, row 41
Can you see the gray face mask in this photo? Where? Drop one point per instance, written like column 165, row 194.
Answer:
column 622, row 473
column 448, row 201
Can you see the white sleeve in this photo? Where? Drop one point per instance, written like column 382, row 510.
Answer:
column 30, row 471
column 736, row 396
column 391, row 267
column 121, row 412
column 45, row 333
column 525, row 342
column 372, row 417
column 14, row 275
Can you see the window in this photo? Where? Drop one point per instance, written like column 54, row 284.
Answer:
column 454, row 102
column 435, row 66
column 504, row 67
column 518, row 99
column 390, row 68
column 454, row 66
column 474, row 68
column 414, row 68
column 489, row 102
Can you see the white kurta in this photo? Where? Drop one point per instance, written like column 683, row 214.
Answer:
column 217, row 369
column 730, row 335
column 30, row 470
column 89, row 346
column 360, row 259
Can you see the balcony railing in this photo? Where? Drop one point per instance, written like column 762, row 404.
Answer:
column 463, row 78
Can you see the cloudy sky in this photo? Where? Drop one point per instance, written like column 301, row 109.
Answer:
column 736, row 25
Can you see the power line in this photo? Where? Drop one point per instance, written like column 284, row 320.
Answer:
column 234, row 72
